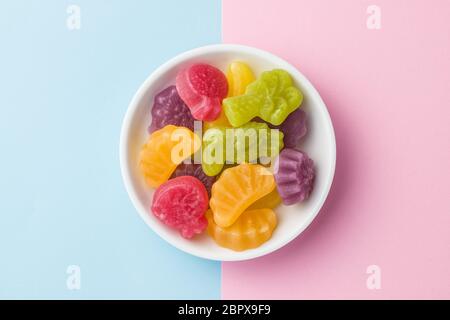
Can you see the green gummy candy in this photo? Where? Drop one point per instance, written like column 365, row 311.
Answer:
column 249, row 144
column 213, row 142
column 272, row 97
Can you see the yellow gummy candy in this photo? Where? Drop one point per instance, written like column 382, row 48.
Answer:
column 251, row 229
column 272, row 200
column 239, row 76
column 164, row 151
column 221, row 121
column 236, row 189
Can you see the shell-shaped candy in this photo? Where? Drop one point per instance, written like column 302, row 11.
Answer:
column 236, row 189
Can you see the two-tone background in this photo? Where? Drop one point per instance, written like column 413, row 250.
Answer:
column 68, row 70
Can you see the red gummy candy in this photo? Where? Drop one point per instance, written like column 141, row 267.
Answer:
column 202, row 87
column 181, row 203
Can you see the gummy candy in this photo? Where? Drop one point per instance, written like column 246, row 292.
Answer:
column 239, row 76
column 194, row 170
column 181, row 203
column 168, row 108
column 251, row 229
column 272, row 200
column 272, row 97
column 294, row 128
column 202, row 87
column 164, row 150
column 236, row 189
column 221, row 121
column 294, row 175
column 213, row 142
column 245, row 148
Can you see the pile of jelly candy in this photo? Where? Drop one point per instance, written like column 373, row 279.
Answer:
column 234, row 195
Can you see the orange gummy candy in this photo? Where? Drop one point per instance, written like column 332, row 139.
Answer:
column 165, row 149
column 272, row 200
column 251, row 229
column 236, row 189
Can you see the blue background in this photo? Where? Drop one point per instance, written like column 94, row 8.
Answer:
column 63, row 96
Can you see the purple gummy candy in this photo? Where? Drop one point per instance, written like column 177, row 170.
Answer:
column 293, row 128
column 168, row 108
column 194, row 170
column 294, row 175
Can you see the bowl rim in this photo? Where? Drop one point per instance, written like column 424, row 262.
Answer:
column 133, row 105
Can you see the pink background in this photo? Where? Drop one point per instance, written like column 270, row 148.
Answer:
column 388, row 93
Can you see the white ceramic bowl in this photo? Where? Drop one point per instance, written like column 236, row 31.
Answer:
column 319, row 143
